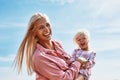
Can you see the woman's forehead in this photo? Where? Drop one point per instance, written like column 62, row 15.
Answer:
column 40, row 21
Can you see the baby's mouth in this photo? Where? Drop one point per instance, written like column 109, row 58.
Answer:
column 82, row 44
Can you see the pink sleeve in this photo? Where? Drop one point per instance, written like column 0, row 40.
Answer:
column 52, row 71
column 91, row 62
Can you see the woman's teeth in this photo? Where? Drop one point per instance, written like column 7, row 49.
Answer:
column 46, row 34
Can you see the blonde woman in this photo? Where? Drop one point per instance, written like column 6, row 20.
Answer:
column 45, row 56
column 84, row 54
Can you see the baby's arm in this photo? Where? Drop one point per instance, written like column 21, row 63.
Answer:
column 91, row 62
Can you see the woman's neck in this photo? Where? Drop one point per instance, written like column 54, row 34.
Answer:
column 47, row 45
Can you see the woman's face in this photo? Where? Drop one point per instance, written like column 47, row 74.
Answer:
column 82, row 41
column 43, row 31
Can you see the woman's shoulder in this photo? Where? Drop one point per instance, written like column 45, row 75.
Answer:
column 57, row 43
column 38, row 50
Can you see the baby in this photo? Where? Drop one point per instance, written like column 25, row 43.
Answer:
column 83, row 54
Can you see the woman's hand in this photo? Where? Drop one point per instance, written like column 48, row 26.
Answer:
column 82, row 66
column 82, row 60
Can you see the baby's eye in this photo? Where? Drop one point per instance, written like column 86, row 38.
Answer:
column 78, row 39
column 84, row 38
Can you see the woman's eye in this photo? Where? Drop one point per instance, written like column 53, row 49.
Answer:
column 47, row 24
column 41, row 27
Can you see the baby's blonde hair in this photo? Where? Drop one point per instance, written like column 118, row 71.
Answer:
column 80, row 32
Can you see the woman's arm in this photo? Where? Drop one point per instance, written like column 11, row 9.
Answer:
column 52, row 71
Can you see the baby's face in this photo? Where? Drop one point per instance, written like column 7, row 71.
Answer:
column 82, row 41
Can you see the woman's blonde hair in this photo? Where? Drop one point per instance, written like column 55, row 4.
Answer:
column 28, row 44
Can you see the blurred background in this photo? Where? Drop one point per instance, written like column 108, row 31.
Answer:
column 100, row 17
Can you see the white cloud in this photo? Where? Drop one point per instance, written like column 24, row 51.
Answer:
column 96, row 9
column 12, row 75
column 106, row 8
column 106, row 69
column 111, row 30
column 8, row 58
column 111, row 7
column 11, row 72
column 62, row 2
column 5, row 25
column 105, row 44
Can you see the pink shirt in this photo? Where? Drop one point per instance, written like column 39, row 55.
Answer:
column 89, row 55
column 50, row 67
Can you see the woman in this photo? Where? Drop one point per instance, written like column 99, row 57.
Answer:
column 45, row 56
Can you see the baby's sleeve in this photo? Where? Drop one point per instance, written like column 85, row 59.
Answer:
column 91, row 61
column 73, row 57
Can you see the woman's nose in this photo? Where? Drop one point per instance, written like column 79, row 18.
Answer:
column 46, row 29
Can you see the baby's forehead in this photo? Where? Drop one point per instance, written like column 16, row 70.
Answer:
column 81, row 35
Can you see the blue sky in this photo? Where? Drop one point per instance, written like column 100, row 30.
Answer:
column 100, row 17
